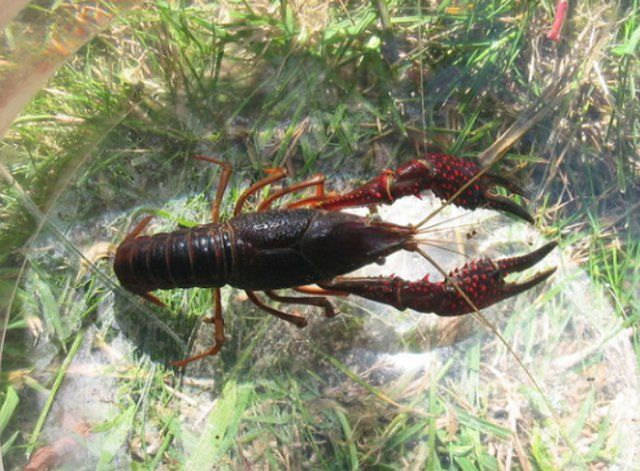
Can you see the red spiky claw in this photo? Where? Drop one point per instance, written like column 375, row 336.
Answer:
column 444, row 175
column 482, row 282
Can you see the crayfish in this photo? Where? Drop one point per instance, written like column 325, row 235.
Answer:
column 310, row 242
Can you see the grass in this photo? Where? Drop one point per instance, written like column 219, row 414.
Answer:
column 344, row 89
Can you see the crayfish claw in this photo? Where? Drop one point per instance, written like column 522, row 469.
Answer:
column 518, row 264
column 509, row 183
column 476, row 285
column 482, row 283
column 502, row 203
column 443, row 174
column 513, row 289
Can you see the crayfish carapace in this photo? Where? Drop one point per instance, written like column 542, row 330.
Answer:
column 311, row 242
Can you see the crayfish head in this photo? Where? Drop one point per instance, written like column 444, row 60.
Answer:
column 337, row 243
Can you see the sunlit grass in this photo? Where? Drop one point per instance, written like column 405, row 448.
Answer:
column 344, row 89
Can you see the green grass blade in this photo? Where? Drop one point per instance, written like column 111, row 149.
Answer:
column 220, row 431
column 116, row 437
column 56, row 385
column 11, row 401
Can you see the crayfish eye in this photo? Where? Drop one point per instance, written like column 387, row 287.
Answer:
column 381, row 261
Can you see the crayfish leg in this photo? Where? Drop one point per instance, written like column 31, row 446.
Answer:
column 296, row 320
column 151, row 298
column 218, row 325
column 317, row 181
column 277, row 174
column 225, row 176
column 322, row 302
column 139, row 227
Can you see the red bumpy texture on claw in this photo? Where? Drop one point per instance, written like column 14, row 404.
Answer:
column 482, row 281
column 444, row 175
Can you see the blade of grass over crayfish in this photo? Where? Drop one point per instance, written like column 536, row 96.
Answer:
column 73, row 350
column 221, row 426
